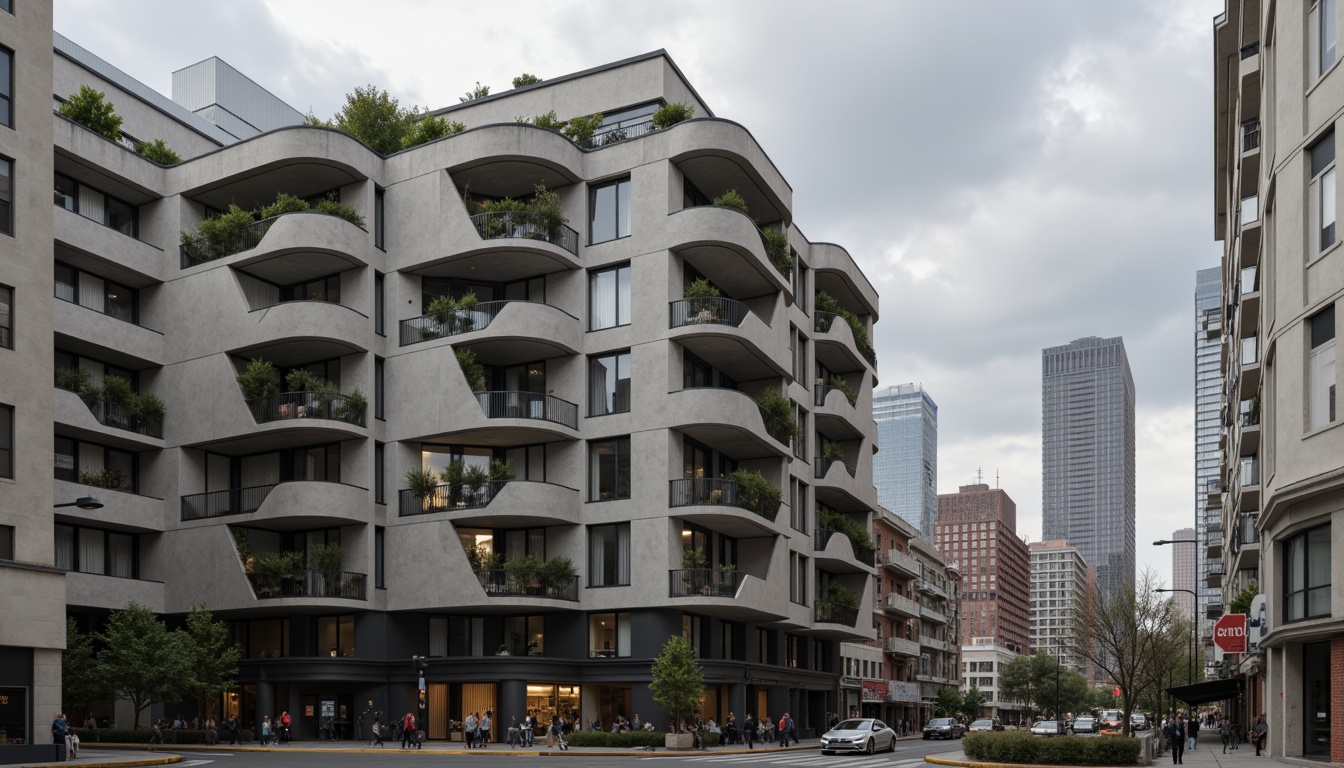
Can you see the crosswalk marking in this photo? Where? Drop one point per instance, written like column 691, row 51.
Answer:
column 186, row 763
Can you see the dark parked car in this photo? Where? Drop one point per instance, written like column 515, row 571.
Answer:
column 986, row 724
column 944, row 728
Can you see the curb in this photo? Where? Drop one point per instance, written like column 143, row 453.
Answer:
column 144, row 761
column 438, row 752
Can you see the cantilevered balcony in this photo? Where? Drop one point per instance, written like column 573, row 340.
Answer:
column 821, row 538
column 502, row 583
column 901, row 605
column 899, row 646
column 526, row 225
column 836, row 614
column 309, row 405
column 428, row 327
column 202, row 250
column 335, row 584
column 709, row 310
column 232, row 501
column 719, row 492
column 528, row 405
column 704, row 582
column 901, row 562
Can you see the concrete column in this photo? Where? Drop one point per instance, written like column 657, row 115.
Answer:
column 265, row 705
column 512, row 704
column 642, row 703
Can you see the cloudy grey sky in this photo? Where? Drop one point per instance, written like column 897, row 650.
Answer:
column 1010, row 175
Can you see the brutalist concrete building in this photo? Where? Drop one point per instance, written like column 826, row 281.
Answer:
column 534, row 490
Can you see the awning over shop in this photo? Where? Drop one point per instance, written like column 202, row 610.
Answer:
column 1209, row 690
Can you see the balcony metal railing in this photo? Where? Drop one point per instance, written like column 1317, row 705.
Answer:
column 777, row 428
column 1250, row 49
column 1250, row 135
column 836, row 614
column 233, row 501
column 308, row 405
column 501, row 583
column 202, row 250
column 528, row 405
column 710, row 310
column 822, row 465
column 821, row 391
column 821, row 321
column 620, row 132
column 446, row 498
column 345, row 585
column 1245, row 532
column 110, row 414
column 703, row 582
column 525, row 225
column 718, row 491
column 427, row 328
column 1249, row 414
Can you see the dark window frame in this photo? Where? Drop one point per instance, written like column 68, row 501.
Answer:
column 379, row 304
column 379, row 557
column 592, row 294
column 108, row 199
column 1304, row 564
column 595, row 396
column 6, row 542
column 379, row 388
column 593, row 486
column 7, row 320
column 593, row 191
column 7, row 196
column 621, row 577
column 379, row 218
column 78, row 567
column 108, row 450
column 379, row 470
column 108, row 285
column 7, row 95
column 7, row 441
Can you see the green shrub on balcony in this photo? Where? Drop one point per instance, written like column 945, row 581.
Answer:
column 839, row 383
column 326, row 558
column 777, row 249
column 859, row 537
column 158, row 151
column 545, row 212
column 694, row 558
column 580, row 130
column 525, row 571
column 259, row 379
column 832, row 451
column 671, row 114
column 79, row 381
column 550, row 121
column 284, row 203
column 777, row 410
column 827, row 303
column 91, row 109
column 217, row 235
column 731, row 199
column 472, row 371
column 149, row 408
column 422, row 483
column 558, row 573
column 755, row 492
column 113, row 479
column 333, row 207
column 429, row 128
column 836, row 599
column 450, row 314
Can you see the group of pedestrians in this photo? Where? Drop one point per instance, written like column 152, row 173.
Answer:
column 768, row 731
column 1183, row 734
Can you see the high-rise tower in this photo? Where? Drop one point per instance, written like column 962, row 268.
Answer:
column 1208, row 392
column 1087, row 454
column 905, row 468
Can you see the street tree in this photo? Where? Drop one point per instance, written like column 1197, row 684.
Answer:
column 141, row 660
column 676, row 681
column 1030, row 680
column 971, row 702
column 948, row 703
column 81, row 682
column 1122, row 632
column 211, row 660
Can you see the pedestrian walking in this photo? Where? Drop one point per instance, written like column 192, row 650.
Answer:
column 749, row 729
column 1258, row 733
column 1176, row 735
column 1194, row 733
column 377, row 729
column 408, row 731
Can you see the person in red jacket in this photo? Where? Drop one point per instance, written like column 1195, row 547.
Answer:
column 408, row 731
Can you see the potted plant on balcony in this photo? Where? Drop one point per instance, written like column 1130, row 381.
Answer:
column 754, row 492
column 525, row 574
column 326, row 561
column 149, row 409
column 693, row 562
column 546, row 215
column 352, row 407
column 702, row 306
column 580, row 130
column 500, row 471
column 422, row 484
column 777, row 249
column 832, row 452
column 259, row 379
column 474, row 478
column 777, row 411
column 671, row 114
column 454, row 475
column 836, row 602
column 557, row 574
column 839, row 383
column 726, row 579
column 731, row 199
column 472, row 371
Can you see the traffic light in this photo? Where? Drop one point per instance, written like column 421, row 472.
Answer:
column 422, row 693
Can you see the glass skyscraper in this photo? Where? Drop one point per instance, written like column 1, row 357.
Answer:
column 905, row 469
column 1087, row 455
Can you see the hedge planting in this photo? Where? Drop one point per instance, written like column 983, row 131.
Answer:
column 1022, row 747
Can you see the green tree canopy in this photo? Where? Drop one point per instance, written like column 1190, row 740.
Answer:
column 524, row 80
column 141, row 660
column 948, row 703
column 91, row 109
column 211, row 659
column 971, row 702
column 479, row 92
column 81, row 682
column 676, row 680
column 375, row 118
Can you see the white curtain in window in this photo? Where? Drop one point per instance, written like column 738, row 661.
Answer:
column 121, row 550
column 602, row 290
column 623, row 554
column 92, row 557
column 623, row 634
column 92, row 292
column 92, row 205
column 597, row 556
column 90, row 458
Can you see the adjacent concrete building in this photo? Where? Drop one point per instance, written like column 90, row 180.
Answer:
column 1061, row 580
column 1087, row 454
column 583, row 414
column 977, row 528
column 982, row 661
column 1279, row 94
column 906, row 467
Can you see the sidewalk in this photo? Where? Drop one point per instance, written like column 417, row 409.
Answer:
column 1208, row 755
column 105, row 757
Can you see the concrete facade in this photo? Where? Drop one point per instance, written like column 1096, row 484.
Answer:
column 1087, row 454
column 1060, row 580
column 623, row 481
column 982, row 660
column 977, row 528
column 1278, row 95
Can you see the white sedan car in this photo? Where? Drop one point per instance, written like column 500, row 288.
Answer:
column 859, row 735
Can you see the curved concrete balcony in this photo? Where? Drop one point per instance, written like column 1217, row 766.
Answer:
column 320, row 328
column 523, row 225
column 837, row 487
column 834, row 552
column 285, row 249
column 324, row 585
column 725, row 246
column 513, row 406
column 89, row 590
column 836, row 347
column 347, row 408
column 496, row 259
column 95, row 419
column 121, row 510
column 89, row 237
column 712, row 592
column 504, row 583
column 713, row 149
column 727, row 420
column 727, row 335
column 76, row 143
column 719, row 503
column 501, row 332
column 292, row 505
column 107, row 337
column 836, row 273
column 498, row 504
column 834, row 621
column 835, row 416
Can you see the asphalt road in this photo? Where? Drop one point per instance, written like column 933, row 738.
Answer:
column 908, row 754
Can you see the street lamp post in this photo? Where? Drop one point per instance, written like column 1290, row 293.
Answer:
column 1194, row 605
column 83, row 502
